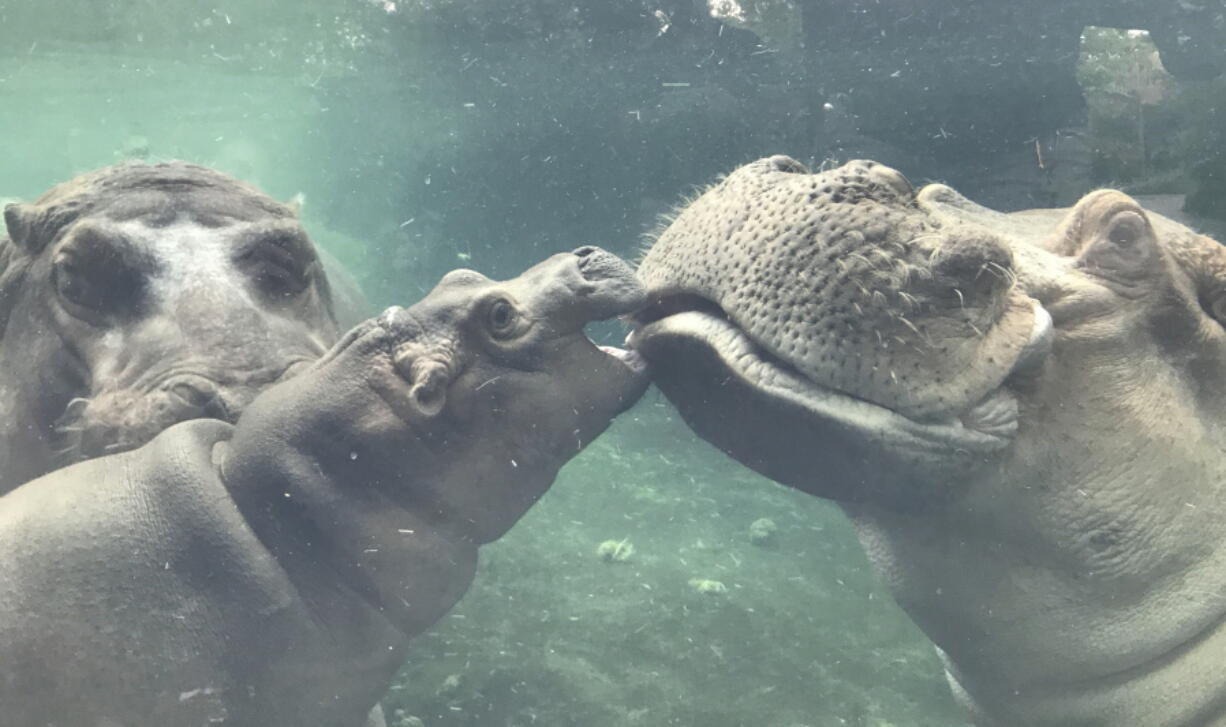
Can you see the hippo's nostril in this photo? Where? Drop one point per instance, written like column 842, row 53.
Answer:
column 217, row 408
column 976, row 269
column 196, row 392
column 585, row 250
column 892, row 179
column 781, row 163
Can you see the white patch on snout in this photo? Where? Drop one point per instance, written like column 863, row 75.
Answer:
column 192, row 257
column 198, row 262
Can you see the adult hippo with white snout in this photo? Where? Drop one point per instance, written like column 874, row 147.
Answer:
column 1024, row 415
column 141, row 295
column 271, row 572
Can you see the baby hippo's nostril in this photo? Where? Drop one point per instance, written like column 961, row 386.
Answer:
column 585, row 250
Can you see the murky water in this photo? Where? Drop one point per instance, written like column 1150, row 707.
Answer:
column 421, row 136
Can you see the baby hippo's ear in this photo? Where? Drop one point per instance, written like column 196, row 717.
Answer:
column 19, row 219
column 427, row 377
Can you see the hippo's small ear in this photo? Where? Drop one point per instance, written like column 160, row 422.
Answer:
column 19, row 219
column 428, row 390
column 429, row 400
column 296, row 203
column 427, row 377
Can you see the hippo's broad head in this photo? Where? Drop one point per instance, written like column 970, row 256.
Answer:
column 486, row 388
column 505, row 386
column 1023, row 413
column 140, row 295
column 836, row 299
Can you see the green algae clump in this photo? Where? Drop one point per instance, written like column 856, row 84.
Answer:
column 708, row 587
column 615, row 551
column 762, row 531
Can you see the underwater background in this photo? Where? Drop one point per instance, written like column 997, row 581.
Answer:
column 658, row 583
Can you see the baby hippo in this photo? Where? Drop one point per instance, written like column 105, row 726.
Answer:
column 271, row 572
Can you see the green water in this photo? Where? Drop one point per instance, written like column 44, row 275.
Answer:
column 552, row 634
column 423, row 136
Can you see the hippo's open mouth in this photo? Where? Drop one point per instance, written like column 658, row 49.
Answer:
column 694, row 333
column 627, row 356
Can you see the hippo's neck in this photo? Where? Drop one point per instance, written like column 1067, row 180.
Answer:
column 344, row 539
column 1027, row 661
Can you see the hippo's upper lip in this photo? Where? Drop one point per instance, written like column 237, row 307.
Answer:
column 987, row 425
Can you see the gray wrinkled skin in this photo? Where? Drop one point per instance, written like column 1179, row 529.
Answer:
column 847, row 314
column 271, row 572
column 1024, row 415
column 138, row 296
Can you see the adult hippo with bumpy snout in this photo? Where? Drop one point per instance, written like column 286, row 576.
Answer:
column 137, row 296
column 270, row 573
column 1024, row 414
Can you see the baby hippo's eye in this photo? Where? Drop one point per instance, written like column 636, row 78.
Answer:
column 279, row 262
column 502, row 318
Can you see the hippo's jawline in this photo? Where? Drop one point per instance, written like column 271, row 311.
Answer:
column 988, row 425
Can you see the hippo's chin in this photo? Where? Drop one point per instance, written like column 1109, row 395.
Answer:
column 765, row 413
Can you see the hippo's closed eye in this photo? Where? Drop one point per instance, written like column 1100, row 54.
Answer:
column 279, row 261
column 94, row 278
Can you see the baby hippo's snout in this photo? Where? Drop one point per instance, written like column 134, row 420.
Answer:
column 614, row 288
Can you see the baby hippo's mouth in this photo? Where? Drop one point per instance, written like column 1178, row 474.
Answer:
column 689, row 336
column 628, row 356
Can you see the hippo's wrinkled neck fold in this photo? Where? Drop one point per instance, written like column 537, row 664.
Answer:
column 375, row 549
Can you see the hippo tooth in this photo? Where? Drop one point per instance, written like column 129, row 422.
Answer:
column 630, row 358
column 1038, row 345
